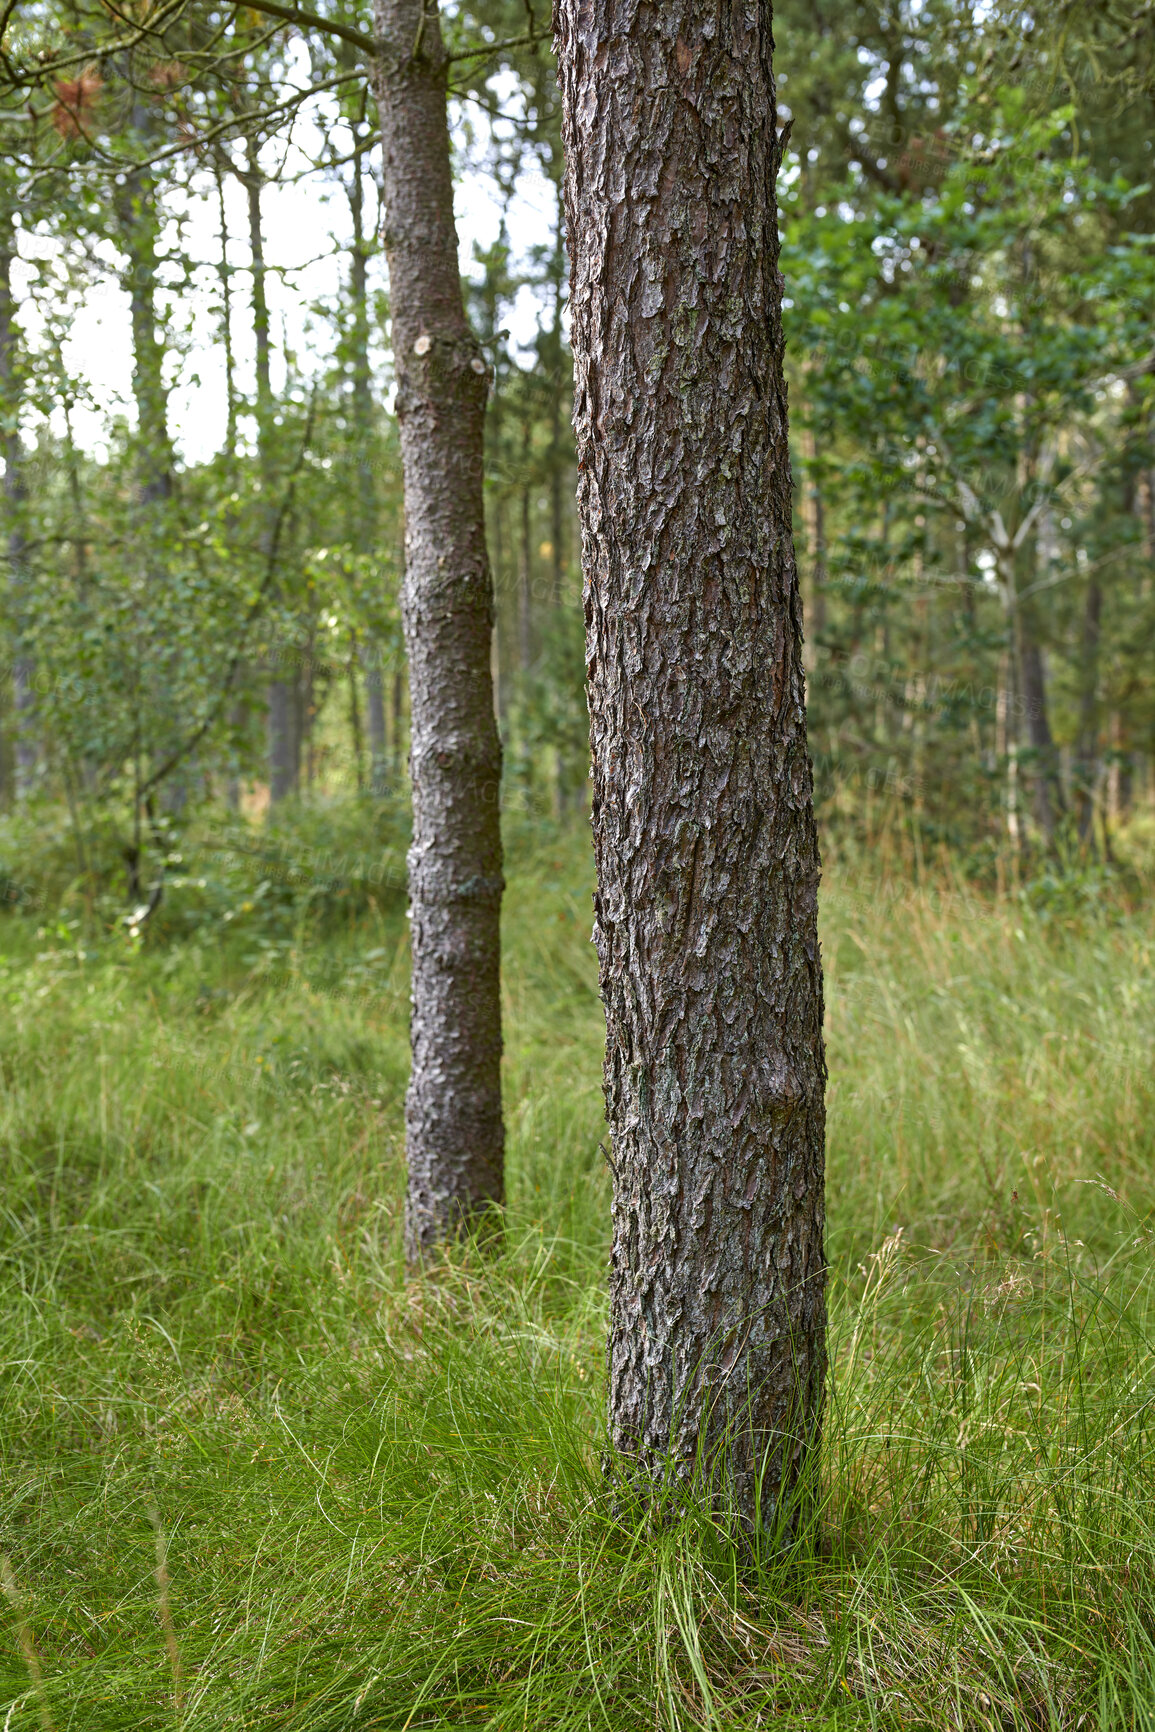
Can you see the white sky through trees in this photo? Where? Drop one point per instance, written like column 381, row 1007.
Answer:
column 307, row 232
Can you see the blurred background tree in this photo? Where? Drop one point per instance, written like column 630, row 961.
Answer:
column 967, row 216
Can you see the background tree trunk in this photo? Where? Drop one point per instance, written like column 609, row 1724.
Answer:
column 375, row 710
column 283, row 724
column 1007, row 746
column 557, row 385
column 15, row 499
column 1087, row 744
column 138, row 219
column 224, row 271
column 524, row 566
column 365, row 524
column 1045, row 779
column 454, row 1130
column 814, row 517
column 360, row 367
column 703, row 822
column 398, row 723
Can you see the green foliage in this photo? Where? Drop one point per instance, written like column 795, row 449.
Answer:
column 282, row 885
column 966, row 221
column 968, row 269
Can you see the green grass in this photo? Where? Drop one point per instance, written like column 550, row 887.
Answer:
column 380, row 1500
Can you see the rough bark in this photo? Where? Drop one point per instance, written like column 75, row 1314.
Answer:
column 454, row 1131
column 707, row 860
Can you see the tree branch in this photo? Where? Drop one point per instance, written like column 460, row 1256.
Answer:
column 311, row 21
column 528, row 41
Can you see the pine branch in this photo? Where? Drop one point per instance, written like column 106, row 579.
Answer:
column 311, row 21
column 530, row 40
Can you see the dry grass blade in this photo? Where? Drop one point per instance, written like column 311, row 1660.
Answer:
column 27, row 1645
column 164, row 1610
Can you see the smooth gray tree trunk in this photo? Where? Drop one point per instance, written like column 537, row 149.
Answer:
column 454, row 1132
column 707, row 860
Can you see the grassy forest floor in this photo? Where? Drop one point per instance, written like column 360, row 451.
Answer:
column 380, row 1500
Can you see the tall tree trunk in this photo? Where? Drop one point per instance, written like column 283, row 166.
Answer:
column 305, row 746
column 707, row 859
column 139, row 218
column 1007, row 745
column 556, row 452
column 1045, row 778
column 283, row 729
column 282, row 758
column 139, row 222
column 355, row 720
column 814, row 516
column 524, row 570
column 1119, row 779
column 237, row 719
column 300, row 717
column 237, row 712
column 360, row 369
column 1087, row 744
column 224, row 271
column 500, row 634
column 398, row 724
column 27, row 756
column 15, row 501
column 454, row 1131
column 366, row 503
column 375, row 715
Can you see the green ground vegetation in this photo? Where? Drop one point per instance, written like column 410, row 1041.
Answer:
column 253, row 1476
